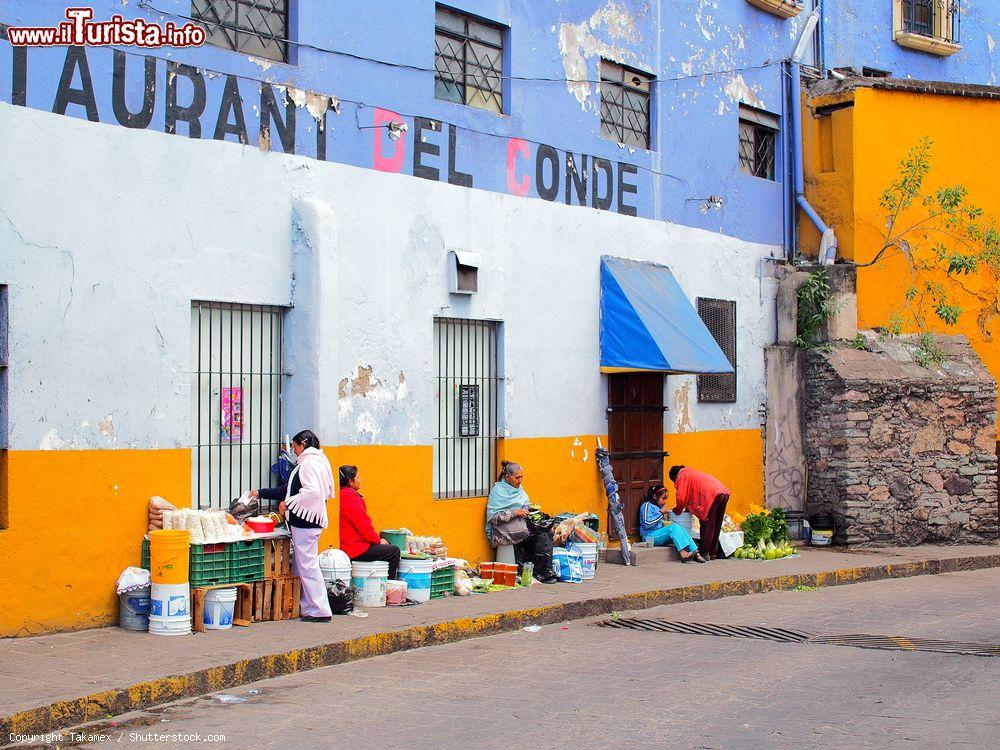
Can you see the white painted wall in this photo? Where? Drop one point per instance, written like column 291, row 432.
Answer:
column 106, row 235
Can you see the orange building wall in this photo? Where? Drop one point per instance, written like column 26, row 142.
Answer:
column 76, row 518
column 872, row 138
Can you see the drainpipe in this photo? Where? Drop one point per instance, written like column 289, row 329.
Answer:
column 828, row 244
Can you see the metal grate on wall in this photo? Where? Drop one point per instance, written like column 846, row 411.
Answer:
column 235, row 399
column 719, row 316
column 255, row 27
column 468, row 374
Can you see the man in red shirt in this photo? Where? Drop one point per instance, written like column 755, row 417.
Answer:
column 357, row 533
column 706, row 497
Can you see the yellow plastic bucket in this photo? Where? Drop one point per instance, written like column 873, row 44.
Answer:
column 169, row 554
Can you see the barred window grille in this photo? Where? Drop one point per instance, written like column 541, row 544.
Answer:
column 468, row 374
column 719, row 316
column 758, row 134
column 625, row 109
column 235, row 399
column 935, row 18
column 255, row 27
column 468, row 61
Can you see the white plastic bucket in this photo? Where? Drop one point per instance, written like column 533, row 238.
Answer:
column 219, row 607
column 417, row 574
column 335, row 565
column 169, row 609
column 395, row 593
column 589, row 561
column 368, row 580
column 133, row 609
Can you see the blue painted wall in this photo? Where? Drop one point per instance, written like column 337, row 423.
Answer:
column 859, row 33
column 707, row 56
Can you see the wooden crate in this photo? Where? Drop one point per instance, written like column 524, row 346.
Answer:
column 277, row 558
column 242, row 613
column 276, row 598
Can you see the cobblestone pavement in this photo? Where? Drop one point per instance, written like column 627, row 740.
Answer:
column 584, row 687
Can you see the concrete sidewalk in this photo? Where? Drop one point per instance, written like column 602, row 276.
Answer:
column 58, row 681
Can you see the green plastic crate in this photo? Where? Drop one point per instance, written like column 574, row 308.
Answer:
column 208, row 563
column 442, row 582
column 246, row 561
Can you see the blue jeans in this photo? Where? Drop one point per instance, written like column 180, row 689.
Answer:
column 674, row 534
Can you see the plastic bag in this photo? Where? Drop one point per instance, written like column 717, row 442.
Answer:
column 244, row 506
column 340, row 596
column 157, row 507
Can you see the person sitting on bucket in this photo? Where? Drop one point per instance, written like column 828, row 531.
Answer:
column 507, row 523
column 706, row 497
column 653, row 529
column 357, row 533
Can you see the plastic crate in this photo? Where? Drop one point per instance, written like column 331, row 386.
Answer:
column 246, row 561
column 442, row 582
column 209, row 564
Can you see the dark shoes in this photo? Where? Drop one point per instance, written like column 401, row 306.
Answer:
column 548, row 579
column 308, row 618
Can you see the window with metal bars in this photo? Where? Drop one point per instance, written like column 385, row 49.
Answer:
column 235, row 399
column 4, row 404
column 934, row 18
column 757, row 142
column 468, row 60
column 719, row 316
column 468, row 373
column 255, row 27
column 625, row 110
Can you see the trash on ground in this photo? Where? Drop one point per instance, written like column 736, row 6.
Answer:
column 226, row 698
column 532, row 628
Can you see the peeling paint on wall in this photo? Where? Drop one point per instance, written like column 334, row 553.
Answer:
column 739, row 91
column 682, row 398
column 578, row 44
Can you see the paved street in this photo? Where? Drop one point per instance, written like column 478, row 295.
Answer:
column 586, row 687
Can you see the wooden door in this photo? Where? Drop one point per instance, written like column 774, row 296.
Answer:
column 635, row 434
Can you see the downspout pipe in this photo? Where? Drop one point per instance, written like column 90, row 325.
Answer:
column 829, row 241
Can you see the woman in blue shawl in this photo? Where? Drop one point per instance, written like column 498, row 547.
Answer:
column 507, row 523
column 652, row 527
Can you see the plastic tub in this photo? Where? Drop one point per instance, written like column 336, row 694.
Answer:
column 588, row 562
column 335, row 565
column 219, row 607
column 396, row 538
column 133, row 609
column 395, row 593
column 261, row 526
column 417, row 574
column 369, row 580
column 169, row 609
column 169, row 553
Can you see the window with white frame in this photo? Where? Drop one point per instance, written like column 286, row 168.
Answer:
column 468, row 60
column 254, row 27
column 758, row 135
column 932, row 26
column 625, row 104
column 235, row 399
column 468, row 374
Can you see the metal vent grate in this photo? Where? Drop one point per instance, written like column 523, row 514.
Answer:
column 785, row 635
column 719, row 316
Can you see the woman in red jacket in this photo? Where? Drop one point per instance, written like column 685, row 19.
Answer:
column 357, row 534
column 706, row 497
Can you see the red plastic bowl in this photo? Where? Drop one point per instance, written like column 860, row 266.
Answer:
column 261, row 527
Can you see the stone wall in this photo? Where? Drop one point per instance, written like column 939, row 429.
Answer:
column 898, row 453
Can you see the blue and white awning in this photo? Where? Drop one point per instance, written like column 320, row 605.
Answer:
column 648, row 324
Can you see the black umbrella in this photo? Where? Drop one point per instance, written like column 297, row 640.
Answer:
column 615, row 504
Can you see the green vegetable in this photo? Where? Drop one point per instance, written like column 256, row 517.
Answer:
column 777, row 522
column 756, row 529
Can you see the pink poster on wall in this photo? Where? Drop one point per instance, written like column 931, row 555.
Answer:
column 232, row 415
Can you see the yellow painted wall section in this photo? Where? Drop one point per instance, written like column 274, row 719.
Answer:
column 734, row 457
column 886, row 124
column 76, row 521
column 828, row 148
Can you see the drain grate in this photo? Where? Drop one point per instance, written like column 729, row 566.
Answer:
column 785, row 635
